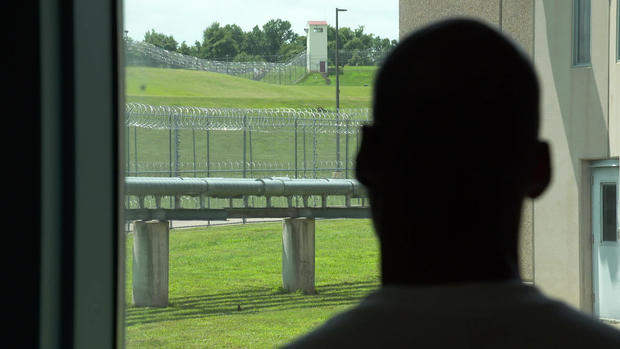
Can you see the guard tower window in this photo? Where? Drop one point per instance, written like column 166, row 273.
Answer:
column 609, row 213
column 581, row 32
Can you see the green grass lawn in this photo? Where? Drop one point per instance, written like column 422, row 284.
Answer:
column 216, row 269
column 161, row 86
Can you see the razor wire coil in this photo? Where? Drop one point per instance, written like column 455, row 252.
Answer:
column 238, row 119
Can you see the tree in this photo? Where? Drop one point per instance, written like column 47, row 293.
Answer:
column 184, row 49
column 236, row 33
column 160, row 40
column 277, row 33
column 221, row 43
column 225, row 49
column 276, row 41
column 292, row 49
column 360, row 58
column 254, row 42
column 356, row 47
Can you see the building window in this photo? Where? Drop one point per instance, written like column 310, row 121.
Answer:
column 581, row 32
column 609, row 213
column 317, row 30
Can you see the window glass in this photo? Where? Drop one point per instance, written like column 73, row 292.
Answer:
column 222, row 93
column 581, row 32
column 213, row 95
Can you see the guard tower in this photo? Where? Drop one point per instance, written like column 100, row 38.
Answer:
column 316, row 46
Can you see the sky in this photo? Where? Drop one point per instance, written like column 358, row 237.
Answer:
column 185, row 20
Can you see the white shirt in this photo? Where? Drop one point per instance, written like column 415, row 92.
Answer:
column 476, row 315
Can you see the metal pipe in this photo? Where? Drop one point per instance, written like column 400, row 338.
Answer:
column 230, row 213
column 240, row 187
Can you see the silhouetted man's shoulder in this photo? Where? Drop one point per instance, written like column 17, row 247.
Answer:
column 482, row 315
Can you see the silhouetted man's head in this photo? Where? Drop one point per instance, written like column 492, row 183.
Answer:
column 451, row 154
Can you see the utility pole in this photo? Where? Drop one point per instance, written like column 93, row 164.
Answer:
column 337, row 96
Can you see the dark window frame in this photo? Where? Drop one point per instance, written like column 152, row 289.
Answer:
column 81, row 291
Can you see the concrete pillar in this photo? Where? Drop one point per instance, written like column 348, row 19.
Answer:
column 298, row 254
column 150, row 263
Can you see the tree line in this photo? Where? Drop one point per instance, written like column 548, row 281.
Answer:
column 275, row 41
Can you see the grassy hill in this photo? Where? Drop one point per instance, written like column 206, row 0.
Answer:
column 162, row 86
column 349, row 76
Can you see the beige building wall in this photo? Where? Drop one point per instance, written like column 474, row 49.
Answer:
column 416, row 13
column 614, row 84
column 580, row 116
column 516, row 18
column 614, row 81
column 575, row 121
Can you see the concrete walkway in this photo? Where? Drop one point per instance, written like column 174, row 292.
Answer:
column 193, row 224
column 196, row 224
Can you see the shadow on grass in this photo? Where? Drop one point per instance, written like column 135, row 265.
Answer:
column 250, row 301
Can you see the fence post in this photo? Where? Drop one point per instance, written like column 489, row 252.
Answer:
column 208, row 155
column 245, row 127
column 346, row 149
column 170, row 144
column 251, row 159
column 314, row 144
column 337, row 138
column 194, row 148
column 177, row 142
column 127, row 167
column 208, row 162
column 170, row 153
column 135, row 147
column 245, row 120
column 295, row 147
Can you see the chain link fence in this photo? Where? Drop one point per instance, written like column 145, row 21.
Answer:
column 139, row 53
column 236, row 142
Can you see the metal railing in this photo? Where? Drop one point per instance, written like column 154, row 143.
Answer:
column 244, row 188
